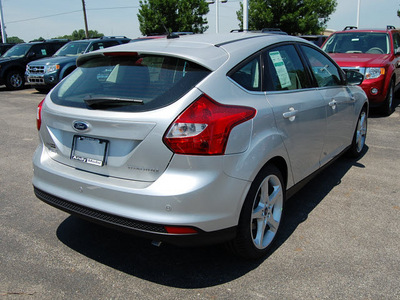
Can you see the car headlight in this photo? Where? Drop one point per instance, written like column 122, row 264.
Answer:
column 52, row 68
column 372, row 73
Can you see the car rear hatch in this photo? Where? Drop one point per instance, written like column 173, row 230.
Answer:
column 109, row 116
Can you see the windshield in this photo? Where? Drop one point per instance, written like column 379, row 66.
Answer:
column 17, row 51
column 72, row 49
column 358, row 42
column 128, row 82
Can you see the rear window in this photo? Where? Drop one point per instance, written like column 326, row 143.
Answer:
column 129, row 83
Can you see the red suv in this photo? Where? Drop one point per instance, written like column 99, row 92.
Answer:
column 375, row 54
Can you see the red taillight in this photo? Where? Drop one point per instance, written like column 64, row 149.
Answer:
column 204, row 127
column 39, row 115
column 180, row 230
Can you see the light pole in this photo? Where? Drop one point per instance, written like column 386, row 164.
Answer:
column 3, row 29
column 245, row 15
column 358, row 14
column 85, row 18
column 216, row 12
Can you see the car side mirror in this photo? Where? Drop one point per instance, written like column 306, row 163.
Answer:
column 354, row 77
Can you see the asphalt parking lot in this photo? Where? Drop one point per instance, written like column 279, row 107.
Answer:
column 341, row 237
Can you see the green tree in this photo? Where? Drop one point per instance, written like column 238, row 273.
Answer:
column 39, row 39
column 175, row 15
column 80, row 35
column 292, row 16
column 13, row 39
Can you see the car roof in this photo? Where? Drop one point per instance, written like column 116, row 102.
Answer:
column 355, row 29
column 208, row 50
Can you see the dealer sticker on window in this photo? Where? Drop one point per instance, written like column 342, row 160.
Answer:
column 89, row 150
column 280, row 68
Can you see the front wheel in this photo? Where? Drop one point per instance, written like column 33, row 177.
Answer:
column 360, row 135
column 261, row 215
column 15, row 80
column 388, row 106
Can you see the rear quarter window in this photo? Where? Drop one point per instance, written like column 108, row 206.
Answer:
column 128, row 83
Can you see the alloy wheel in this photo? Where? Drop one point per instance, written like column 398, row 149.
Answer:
column 267, row 212
column 361, row 132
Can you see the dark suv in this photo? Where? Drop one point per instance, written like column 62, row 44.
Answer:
column 375, row 54
column 45, row 73
column 13, row 62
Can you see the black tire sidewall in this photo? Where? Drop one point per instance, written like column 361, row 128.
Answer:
column 389, row 105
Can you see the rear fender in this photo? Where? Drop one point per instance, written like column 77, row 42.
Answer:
column 263, row 149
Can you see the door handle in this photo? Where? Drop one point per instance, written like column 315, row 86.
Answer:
column 333, row 104
column 291, row 114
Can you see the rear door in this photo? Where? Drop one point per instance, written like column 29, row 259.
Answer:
column 299, row 109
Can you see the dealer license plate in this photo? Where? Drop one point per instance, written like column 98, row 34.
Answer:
column 89, row 150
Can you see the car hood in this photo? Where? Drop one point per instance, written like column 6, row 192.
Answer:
column 53, row 60
column 6, row 59
column 360, row 60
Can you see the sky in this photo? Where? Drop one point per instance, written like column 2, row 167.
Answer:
column 29, row 19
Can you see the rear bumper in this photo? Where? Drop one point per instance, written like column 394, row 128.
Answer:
column 193, row 192
column 146, row 230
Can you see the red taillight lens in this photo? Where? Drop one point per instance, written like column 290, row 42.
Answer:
column 39, row 115
column 204, row 127
column 180, row 230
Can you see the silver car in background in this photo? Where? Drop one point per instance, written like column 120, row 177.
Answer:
column 198, row 139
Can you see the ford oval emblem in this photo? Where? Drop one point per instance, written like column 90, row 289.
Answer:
column 80, row 126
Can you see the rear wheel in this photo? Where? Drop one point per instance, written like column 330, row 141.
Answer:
column 261, row 215
column 360, row 134
column 15, row 80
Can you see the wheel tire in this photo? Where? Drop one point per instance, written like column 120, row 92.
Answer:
column 261, row 215
column 15, row 80
column 388, row 106
column 360, row 135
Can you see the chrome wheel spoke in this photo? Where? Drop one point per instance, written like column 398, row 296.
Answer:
column 259, row 238
column 258, row 212
column 273, row 224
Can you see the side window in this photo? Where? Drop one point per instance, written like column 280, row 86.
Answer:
column 248, row 75
column 39, row 50
column 325, row 72
column 284, row 69
column 396, row 41
column 96, row 46
column 110, row 44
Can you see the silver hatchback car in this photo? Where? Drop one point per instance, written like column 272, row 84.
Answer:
column 197, row 139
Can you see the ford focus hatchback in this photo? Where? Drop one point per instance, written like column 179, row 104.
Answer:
column 197, row 139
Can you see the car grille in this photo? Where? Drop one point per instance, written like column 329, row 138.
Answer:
column 35, row 69
column 93, row 214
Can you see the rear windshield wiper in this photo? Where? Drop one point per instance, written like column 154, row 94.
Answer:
column 103, row 102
